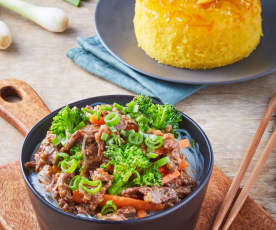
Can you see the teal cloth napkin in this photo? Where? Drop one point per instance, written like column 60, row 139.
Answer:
column 94, row 58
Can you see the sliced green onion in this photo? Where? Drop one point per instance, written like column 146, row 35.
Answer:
column 123, row 133
column 103, row 166
column 69, row 166
column 96, row 184
column 78, row 156
column 109, row 207
column 60, row 156
column 154, row 142
column 135, row 138
column 98, row 114
column 92, row 112
column 131, row 131
column 113, row 129
column 104, row 137
column 152, row 155
column 106, row 108
column 118, row 107
column 142, row 118
column 114, row 140
column 112, row 119
column 74, row 182
column 161, row 162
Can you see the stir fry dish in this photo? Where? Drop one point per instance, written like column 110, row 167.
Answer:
column 114, row 162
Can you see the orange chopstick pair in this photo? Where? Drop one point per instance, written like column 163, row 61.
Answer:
column 243, row 168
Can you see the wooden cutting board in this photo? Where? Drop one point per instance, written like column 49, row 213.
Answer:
column 16, row 211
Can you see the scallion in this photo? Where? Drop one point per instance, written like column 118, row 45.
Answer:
column 104, row 137
column 161, row 162
column 52, row 19
column 109, row 207
column 112, row 119
column 96, row 184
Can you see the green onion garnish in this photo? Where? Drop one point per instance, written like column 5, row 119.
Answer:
column 152, row 155
column 112, row 119
column 69, row 166
column 96, row 184
column 104, row 137
column 135, row 138
column 161, row 162
column 154, row 142
column 74, row 182
column 109, row 207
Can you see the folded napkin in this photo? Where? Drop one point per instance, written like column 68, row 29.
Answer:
column 94, row 58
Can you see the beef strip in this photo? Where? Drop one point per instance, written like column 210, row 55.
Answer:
column 89, row 131
column 61, row 188
column 90, row 158
column 101, row 144
column 92, row 200
column 100, row 174
column 126, row 212
column 172, row 149
column 73, row 139
column 157, row 195
column 61, row 191
column 183, row 185
column 46, row 154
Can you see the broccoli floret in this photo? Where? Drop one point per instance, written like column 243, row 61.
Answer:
column 66, row 122
column 128, row 161
column 148, row 114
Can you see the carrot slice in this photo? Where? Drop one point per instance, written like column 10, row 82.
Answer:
column 77, row 196
column 94, row 120
column 184, row 143
column 170, row 176
column 141, row 213
column 132, row 126
column 55, row 169
column 162, row 170
column 122, row 201
column 160, row 151
column 183, row 164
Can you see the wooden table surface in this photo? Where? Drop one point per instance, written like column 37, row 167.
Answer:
column 229, row 114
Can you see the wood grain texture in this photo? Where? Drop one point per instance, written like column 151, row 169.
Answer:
column 251, row 217
column 16, row 211
column 18, row 214
column 26, row 112
column 229, row 114
column 229, row 197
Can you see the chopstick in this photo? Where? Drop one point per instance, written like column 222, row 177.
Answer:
column 250, row 181
column 244, row 165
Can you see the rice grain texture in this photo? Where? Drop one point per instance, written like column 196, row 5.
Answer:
column 198, row 34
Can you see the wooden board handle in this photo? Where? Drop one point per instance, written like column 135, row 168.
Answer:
column 20, row 105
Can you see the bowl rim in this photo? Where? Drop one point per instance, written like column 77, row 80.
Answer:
column 157, row 215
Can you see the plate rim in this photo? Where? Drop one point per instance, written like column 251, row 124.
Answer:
column 252, row 77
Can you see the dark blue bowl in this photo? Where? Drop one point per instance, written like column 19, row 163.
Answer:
column 183, row 215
